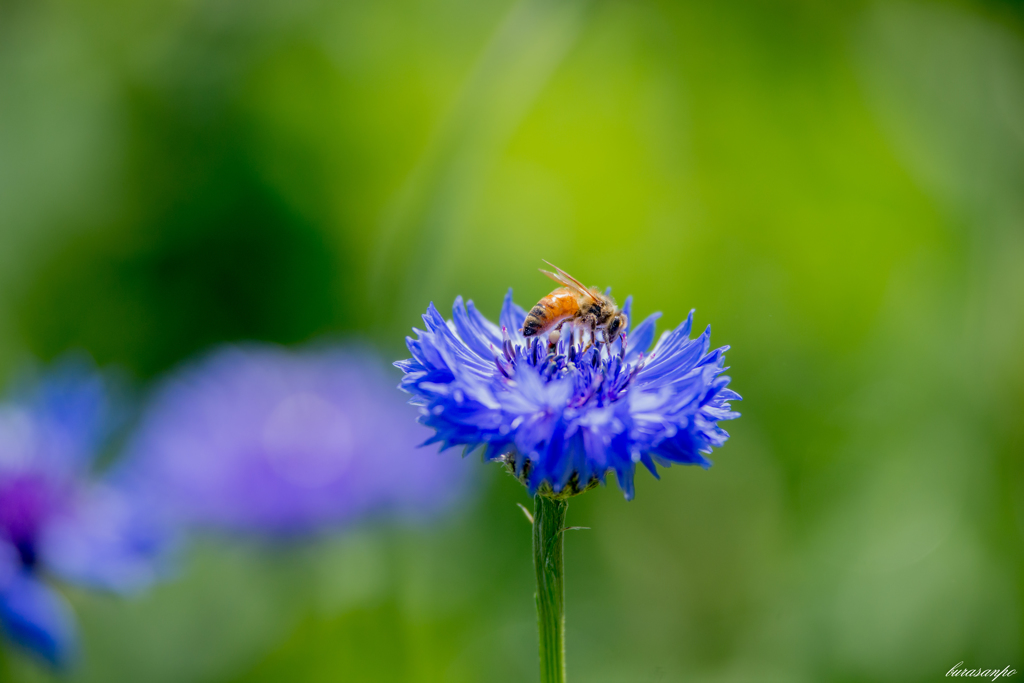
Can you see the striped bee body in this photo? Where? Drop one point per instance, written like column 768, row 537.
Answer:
column 557, row 307
column 587, row 309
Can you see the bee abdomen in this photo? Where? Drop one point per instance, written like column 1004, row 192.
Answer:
column 548, row 312
column 535, row 320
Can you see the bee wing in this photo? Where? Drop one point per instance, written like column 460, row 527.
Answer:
column 567, row 277
column 563, row 278
column 569, row 284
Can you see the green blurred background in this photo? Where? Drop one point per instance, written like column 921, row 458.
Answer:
column 838, row 188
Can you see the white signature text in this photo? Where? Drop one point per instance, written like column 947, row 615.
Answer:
column 980, row 673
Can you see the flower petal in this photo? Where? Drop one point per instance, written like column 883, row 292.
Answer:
column 37, row 619
column 640, row 339
column 512, row 318
column 106, row 541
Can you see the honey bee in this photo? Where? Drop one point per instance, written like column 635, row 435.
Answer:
column 577, row 305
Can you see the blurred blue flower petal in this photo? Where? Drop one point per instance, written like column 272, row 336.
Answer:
column 109, row 541
column 34, row 616
column 59, row 417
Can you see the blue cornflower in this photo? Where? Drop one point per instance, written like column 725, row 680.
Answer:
column 57, row 518
column 561, row 417
column 274, row 442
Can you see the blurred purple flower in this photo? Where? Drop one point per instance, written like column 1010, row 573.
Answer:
column 262, row 439
column 55, row 516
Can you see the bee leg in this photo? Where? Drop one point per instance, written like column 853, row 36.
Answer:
column 590, row 322
column 554, row 336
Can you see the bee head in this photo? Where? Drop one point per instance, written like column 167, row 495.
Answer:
column 617, row 324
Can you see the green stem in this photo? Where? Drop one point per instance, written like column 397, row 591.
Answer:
column 548, row 525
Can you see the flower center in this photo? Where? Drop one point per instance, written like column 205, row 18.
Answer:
column 600, row 372
column 27, row 502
